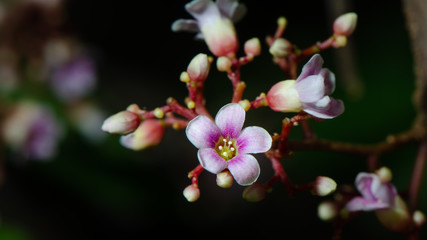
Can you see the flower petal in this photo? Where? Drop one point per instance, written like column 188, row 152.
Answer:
column 325, row 108
column 211, row 161
column 203, row 10
column 254, row 140
column 187, row 25
column 371, row 187
column 329, row 80
column 230, row 119
column 231, row 9
column 311, row 88
column 362, row 204
column 312, row 67
column 244, row 168
column 202, row 132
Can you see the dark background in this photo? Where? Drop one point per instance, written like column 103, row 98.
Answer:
column 109, row 192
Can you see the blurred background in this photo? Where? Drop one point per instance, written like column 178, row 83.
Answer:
column 66, row 65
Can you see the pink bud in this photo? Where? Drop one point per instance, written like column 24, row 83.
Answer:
column 324, row 186
column 191, row 193
column 198, row 69
column 122, row 123
column 345, row 24
column 252, row 47
column 283, row 97
column 255, row 192
column 220, row 36
column 149, row 133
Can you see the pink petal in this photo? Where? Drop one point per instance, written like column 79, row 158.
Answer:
column 230, row 119
column 254, row 140
column 325, row 108
column 329, row 80
column 244, row 168
column 362, row 204
column 202, row 132
column 203, row 10
column 312, row 67
column 311, row 88
column 371, row 187
column 211, row 161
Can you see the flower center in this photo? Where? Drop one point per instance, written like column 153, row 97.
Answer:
column 226, row 148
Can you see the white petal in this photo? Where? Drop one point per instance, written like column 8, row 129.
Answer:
column 254, row 140
column 244, row 168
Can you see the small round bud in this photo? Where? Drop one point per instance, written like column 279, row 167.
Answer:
column 255, row 192
column 184, row 77
column 149, row 133
column 158, row 113
column 327, row 211
column 121, row 123
column 280, row 48
column 223, row 64
column 282, row 22
column 191, row 104
column 224, row 179
column 283, row 97
column 191, row 193
column 252, row 47
column 198, row 69
column 324, row 186
column 345, row 24
column 419, row 218
column 384, row 174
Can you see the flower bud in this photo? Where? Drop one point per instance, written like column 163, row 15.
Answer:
column 191, row 193
column 198, row 69
column 220, row 36
column 149, row 133
column 283, row 97
column 384, row 174
column 223, row 64
column 396, row 218
column 419, row 218
column 122, row 123
column 327, row 211
column 224, row 179
column 252, row 47
column 255, row 192
column 345, row 24
column 324, row 186
column 134, row 108
column 280, row 48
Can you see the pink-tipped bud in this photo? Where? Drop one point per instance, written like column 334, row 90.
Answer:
column 327, row 210
column 198, row 69
column 280, row 48
column 396, row 218
column 324, row 186
column 283, row 97
column 224, row 179
column 220, row 36
column 191, row 193
column 223, row 64
column 345, row 24
column 121, row 123
column 149, row 133
column 255, row 192
column 419, row 218
column 252, row 47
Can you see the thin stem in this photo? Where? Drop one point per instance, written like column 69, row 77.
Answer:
column 280, row 173
column 417, row 176
column 194, row 174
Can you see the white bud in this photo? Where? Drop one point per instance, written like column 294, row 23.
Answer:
column 280, row 48
column 324, row 186
column 252, row 47
column 224, row 179
column 223, row 64
column 345, row 24
column 191, row 193
column 327, row 211
column 122, row 123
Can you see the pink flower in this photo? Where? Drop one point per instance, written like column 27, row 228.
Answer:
column 214, row 23
column 375, row 194
column 308, row 93
column 223, row 144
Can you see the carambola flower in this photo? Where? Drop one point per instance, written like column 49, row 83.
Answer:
column 214, row 24
column 223, row 144
column 308, row 93
column 382, row 198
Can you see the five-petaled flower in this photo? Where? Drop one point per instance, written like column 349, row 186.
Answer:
column 214, row 24
column 223, row 144
column 308, row 93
